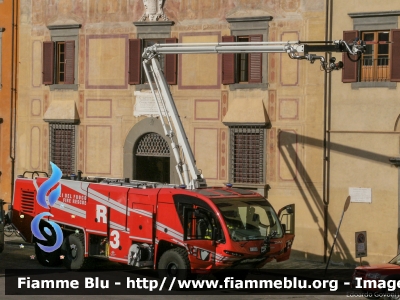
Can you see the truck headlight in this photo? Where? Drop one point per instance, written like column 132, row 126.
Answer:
column 233, row 253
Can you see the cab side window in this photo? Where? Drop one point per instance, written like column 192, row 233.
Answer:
column 198, row 221
column 200, row 224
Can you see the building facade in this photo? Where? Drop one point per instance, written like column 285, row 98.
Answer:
column 264, row 122
column 364, row 131
column 9, row 13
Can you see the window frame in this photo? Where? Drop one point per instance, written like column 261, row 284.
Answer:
column 252, row 26
column 63, row 33
column 374, row 57
column 73, row 147
column 60, row 62
column 150, row 31
column 372, row 21
column 137, row 74
column 262, row 131
column 242, row 68
column 242, row 62
column 143, row 79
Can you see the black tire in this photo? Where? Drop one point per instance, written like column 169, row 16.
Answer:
column 174, row 263
column 8, row 230
column 47, row 259
column 73, row 250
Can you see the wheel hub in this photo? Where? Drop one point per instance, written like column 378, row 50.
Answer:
column 74, row 250
column 172, row 269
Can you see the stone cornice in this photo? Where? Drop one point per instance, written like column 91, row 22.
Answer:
column 64, row 26
column 375, row 14
column 249, row 19
column 157, row 23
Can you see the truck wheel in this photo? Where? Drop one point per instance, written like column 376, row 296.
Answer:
column 48, row 259
column 73, row 250
column 175, row 263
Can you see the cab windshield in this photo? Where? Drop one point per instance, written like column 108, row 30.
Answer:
column 249, row 219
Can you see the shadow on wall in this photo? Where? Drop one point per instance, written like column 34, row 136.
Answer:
column 296, row 168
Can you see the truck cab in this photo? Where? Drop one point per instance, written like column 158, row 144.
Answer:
column 229, row 228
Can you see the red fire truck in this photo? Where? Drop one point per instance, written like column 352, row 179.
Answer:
column 182, row 231
column 145, row 224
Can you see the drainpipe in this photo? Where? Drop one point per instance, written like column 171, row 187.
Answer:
column 13, row 95
column 327, row 127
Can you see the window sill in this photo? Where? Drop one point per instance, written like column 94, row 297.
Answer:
column 73, row 87
column 373, row 84
column 240, row 86
column 142, row 86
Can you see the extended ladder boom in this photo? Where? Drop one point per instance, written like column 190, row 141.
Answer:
column 186, row 166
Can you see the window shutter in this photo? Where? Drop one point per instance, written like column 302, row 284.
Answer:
column 171, row 63
column 395, row 55
column 350, row 68
column 69, row 62
column 228, row 63
column 135, row 60
column 255, row 62
column 48, row 62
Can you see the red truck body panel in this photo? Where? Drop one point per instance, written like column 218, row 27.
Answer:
column 116, row 218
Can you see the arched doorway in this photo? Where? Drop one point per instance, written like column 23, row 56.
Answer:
column 132, row 140
column 152, row 158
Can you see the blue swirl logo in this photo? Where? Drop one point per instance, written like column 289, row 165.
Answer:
column 48, row 202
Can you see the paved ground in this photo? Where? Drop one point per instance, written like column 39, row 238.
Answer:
column 292, row 263
column 10, row 259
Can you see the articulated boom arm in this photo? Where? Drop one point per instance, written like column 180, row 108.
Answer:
column 186, row 166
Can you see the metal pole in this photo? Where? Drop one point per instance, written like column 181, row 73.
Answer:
column 346, row 206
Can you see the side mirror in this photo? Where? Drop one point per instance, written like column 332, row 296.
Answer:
column 289, row 209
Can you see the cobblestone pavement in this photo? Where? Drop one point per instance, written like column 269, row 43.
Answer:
column 17, row 254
